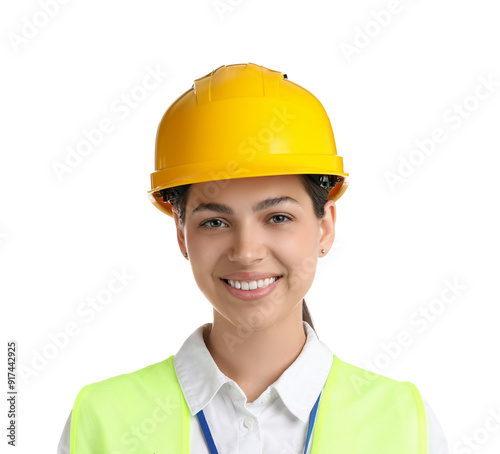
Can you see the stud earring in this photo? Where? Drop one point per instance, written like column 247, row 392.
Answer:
column 323, row 251
column 185, row 254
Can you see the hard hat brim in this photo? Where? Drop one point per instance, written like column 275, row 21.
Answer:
column 274, row 165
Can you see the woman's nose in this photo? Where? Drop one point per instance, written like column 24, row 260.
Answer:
column 247, row 245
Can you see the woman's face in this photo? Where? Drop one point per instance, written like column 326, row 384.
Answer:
column 246, row 232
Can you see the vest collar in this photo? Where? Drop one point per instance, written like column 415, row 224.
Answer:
column 298, row 387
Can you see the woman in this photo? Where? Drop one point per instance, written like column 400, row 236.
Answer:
column 246, row 165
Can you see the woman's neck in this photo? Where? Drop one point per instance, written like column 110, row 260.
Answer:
column 256, row 359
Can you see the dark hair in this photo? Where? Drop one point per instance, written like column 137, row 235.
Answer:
column 318, row 196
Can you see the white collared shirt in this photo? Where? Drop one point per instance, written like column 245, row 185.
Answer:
column 274, row 423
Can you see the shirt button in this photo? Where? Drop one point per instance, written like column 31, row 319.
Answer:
column 249, row 423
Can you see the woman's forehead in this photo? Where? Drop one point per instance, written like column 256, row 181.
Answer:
column 249, row 188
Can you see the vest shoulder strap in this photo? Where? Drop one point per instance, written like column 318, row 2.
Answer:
column 364, row 412
column 142, row 411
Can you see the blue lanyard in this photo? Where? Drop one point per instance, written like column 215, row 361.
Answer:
column 210, row 441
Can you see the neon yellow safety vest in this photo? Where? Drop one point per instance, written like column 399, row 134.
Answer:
column 144, row 412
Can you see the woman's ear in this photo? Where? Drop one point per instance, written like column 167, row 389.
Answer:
column 180, row 231
column 327, row 226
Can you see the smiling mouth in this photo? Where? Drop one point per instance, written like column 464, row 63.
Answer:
column 251, row 285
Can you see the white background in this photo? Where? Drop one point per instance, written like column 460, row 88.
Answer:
column 61, row 239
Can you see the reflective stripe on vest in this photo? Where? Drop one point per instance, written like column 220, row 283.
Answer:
column 145, row 412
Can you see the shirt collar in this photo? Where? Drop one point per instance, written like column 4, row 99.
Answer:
column 298, row 387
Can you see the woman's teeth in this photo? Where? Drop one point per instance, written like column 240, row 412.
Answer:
column 251, row 285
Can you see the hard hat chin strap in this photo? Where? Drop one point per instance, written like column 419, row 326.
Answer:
column 327, row 182
column 171, row 195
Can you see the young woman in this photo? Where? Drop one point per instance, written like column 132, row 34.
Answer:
column 247, row 167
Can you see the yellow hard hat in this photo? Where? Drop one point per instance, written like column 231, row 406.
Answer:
column 240, row 121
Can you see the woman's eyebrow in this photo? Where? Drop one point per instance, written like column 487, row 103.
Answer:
column 259, row 206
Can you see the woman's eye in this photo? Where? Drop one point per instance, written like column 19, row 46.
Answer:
column 280, row 218
column 212, row 223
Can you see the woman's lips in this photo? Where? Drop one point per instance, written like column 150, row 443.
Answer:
column 251, row 294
